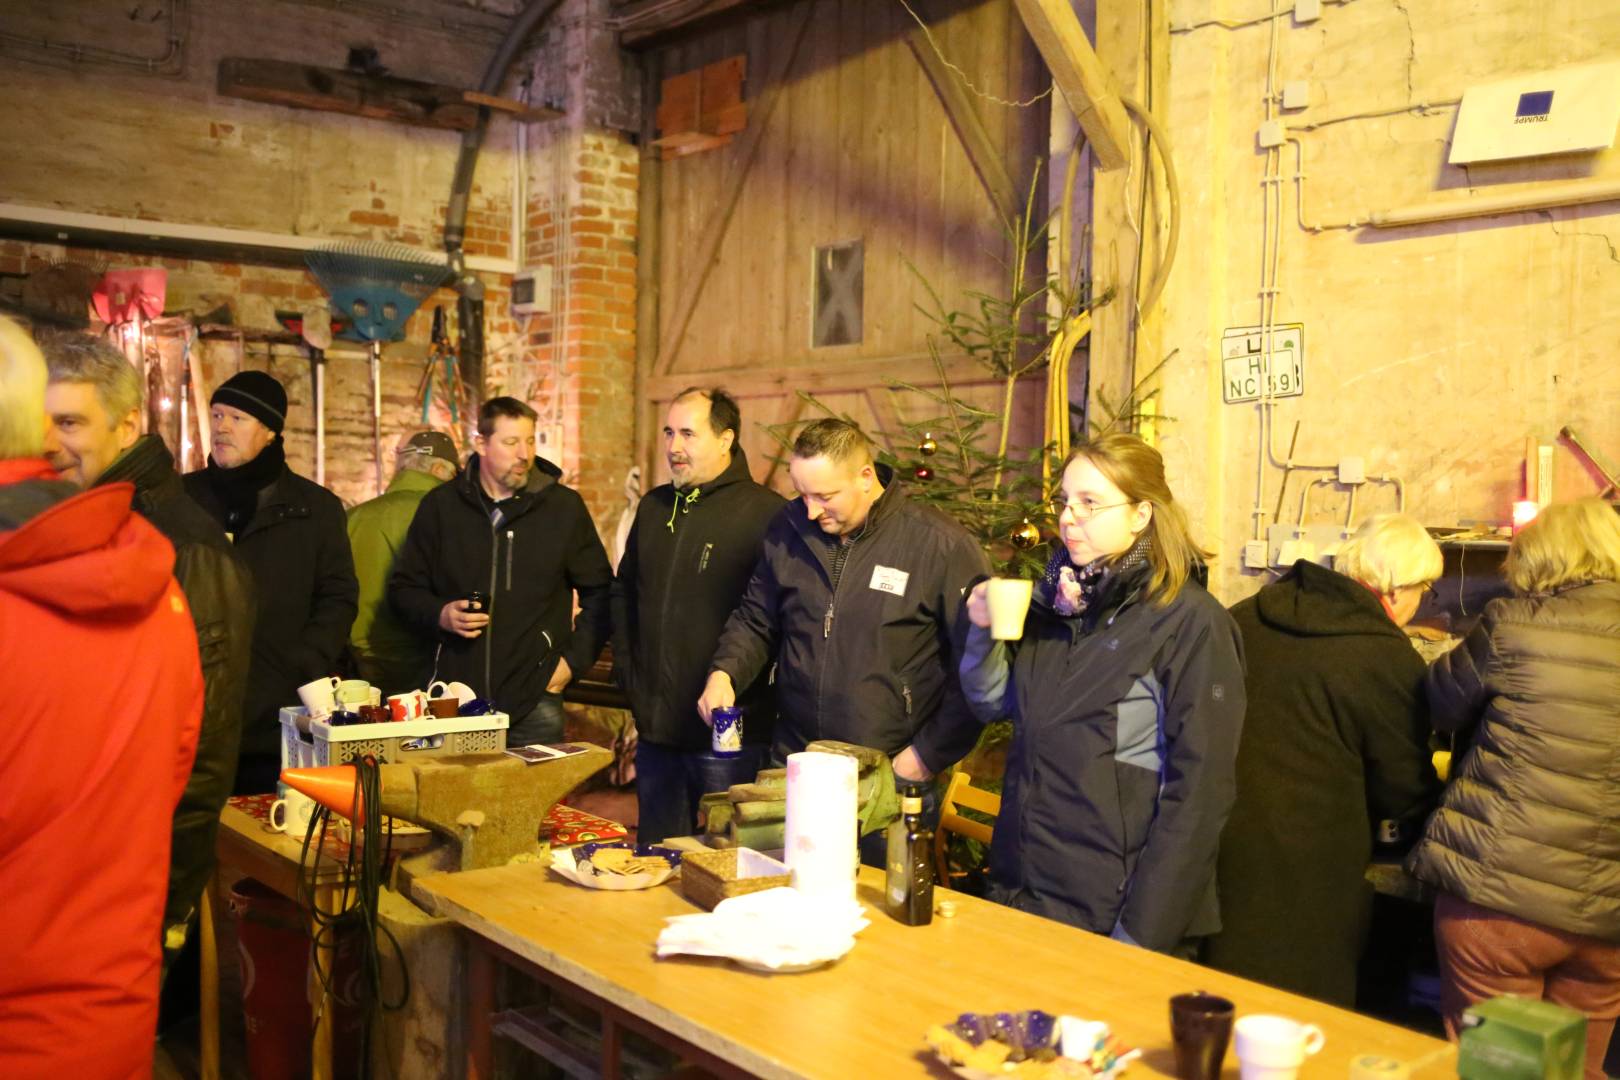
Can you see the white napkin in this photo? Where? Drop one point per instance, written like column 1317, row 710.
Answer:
column 774, row 929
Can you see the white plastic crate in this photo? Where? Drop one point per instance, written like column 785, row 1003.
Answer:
column 390, row 743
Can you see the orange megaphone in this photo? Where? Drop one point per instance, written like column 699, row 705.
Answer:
column 333, row 786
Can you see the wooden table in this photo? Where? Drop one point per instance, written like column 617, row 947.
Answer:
column 247, row 847
column 866, row 1014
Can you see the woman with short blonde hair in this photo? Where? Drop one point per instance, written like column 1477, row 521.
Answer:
column 22, row 394
column 1525, row 848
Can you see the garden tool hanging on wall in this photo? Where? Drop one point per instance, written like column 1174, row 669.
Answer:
column 128, row 300
column 377, row 287
column 442, row 358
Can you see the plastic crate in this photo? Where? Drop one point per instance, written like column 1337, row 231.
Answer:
column 389, row 743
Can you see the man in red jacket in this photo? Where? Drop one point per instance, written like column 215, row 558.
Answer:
column 104, row 691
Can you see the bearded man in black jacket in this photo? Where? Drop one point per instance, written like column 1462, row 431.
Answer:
column 93, row 405
column 686, row 563
column 292, row 534
column 507, row 528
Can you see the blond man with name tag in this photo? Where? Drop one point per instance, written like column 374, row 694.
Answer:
column 858, row 599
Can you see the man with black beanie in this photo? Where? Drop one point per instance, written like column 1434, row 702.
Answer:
column 292, row 536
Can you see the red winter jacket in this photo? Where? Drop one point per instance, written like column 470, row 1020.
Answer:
column 103, row 697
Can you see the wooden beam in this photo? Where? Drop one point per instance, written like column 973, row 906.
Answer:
column 982, row 152
column 1080, row 77
column 649, row 233
column 720, row 220
column 654, row 22
column 813, row 374
column 353, row 93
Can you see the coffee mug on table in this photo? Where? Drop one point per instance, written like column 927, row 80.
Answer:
column 1274, row 1047
column 411, row 705
column 1200, row 1028
column 444, row 707
column 291, row 814
column 1009, row 603
column 458, row 690
column 319, row 696
column 727, row 733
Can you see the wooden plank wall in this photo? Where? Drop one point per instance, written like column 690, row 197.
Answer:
column 858, row 147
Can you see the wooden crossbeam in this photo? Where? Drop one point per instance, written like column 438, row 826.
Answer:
column 720, row 220
column 355, row 93
column 1080, row 77
column 652, row 22
column 982, row 151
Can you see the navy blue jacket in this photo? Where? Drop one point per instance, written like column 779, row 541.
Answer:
column 1120, row 774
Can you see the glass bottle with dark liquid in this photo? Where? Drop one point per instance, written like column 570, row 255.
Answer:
column 910, row 884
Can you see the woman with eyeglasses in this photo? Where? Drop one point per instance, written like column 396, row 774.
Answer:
column 1525, row 848
column 1126, row 695
column 1336, row 739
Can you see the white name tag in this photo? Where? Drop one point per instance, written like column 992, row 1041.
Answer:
column 888, row 579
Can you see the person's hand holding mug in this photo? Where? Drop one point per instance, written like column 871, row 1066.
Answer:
column 1000, row 605
column 718, row 693
column 463, row 617
column 978, row 605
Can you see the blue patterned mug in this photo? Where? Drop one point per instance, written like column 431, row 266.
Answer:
column 728, row 728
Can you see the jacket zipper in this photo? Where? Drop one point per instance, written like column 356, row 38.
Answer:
column 489, row 628
column 509, row 546
column 837, row 576
column 905, row 691
column 703, row 563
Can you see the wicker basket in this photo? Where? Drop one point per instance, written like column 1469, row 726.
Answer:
column 708, row 877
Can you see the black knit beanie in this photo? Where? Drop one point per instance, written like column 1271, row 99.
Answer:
column 256, row 393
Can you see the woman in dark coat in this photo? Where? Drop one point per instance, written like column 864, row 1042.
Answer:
column 1335, row 739
column 1525, row 848
column 1126, row 693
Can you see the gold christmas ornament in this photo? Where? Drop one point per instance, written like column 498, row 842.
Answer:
column 927, row 447
column 1025, row 536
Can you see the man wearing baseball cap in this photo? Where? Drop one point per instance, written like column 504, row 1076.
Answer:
column 290, row 532
column 386, row 652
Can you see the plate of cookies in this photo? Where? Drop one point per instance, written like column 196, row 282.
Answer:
column 617, row 865
column 1029, row 1045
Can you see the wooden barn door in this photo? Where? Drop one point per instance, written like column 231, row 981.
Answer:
column 861, row 145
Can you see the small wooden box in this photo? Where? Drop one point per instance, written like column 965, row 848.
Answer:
column 708, row 877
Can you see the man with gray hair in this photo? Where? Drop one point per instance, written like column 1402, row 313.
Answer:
column 93, row 406
column 386, row 652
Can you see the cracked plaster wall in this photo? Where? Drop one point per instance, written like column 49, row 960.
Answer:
column 1431, row 351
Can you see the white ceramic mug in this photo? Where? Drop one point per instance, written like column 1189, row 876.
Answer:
column 1009, row 603
column 291, row 814
column 352, row 692
column 411, row 705
column 1274, row 1047
column 458, row 690
column 319, row 696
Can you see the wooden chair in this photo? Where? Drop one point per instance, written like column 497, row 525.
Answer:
column 962, row 794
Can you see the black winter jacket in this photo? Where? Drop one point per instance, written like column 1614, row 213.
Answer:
column 530, row 565
column 296, row 548
column 1335, row 738
column 871, row 658
column 1120, row 773
column 220, row 593
column 684, row 568
column 1530, row 822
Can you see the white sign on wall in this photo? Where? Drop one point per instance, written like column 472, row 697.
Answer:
column 1245, row 372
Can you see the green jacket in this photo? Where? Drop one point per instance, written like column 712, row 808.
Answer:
column 388, row 653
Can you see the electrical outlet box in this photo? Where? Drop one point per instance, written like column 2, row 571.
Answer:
column 548, row 442
column 1352, row 470
column 1319, row 542
column 1271, row 134
column 531, row 291
column 1254, row 555
column 1296, row 94
column 1566, row 111
column 1307, row 11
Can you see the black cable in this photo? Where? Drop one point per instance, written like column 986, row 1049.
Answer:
column 357, row 913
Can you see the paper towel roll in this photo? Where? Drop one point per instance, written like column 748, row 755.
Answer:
column 821, row 823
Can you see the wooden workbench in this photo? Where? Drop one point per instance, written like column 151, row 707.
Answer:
column 866, row 1014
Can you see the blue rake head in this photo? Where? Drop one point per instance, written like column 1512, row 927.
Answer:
column 376, row 287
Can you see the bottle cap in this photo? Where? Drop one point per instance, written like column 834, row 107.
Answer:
column 911, row 804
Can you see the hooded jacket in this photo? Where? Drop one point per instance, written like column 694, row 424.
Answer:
column 530, row 562
column 865, row 654
column 297, row 552
column 1120, row 774
column 1335, row 738
column 1530, row 823
column 390, row 653
column 685, row 565
column 105, row 693
column 220, row 593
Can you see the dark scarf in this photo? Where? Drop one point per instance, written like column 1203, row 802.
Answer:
column 1091, row 577
column 238, row 489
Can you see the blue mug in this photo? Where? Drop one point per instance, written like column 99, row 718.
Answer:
column 728, row 729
